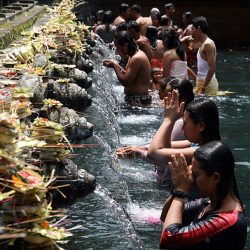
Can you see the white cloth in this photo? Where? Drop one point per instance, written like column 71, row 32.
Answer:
column 202, row 67
column 178, row 69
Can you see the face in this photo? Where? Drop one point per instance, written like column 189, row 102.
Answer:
column 184, row 20
column 192, row 130
column 205, row 184
column 195, row 32
column 126, row 13
column 122, row 50
column 164, row 92
column 170, row 12
column 157, row 75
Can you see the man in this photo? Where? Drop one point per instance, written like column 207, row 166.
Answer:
column 143, row 22
column 169, row 12
column 133, row 28
column 124, row 14
column 136, row 76
column 206, row 82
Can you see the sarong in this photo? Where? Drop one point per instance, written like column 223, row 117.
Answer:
column 211, row 89
column 138, row 99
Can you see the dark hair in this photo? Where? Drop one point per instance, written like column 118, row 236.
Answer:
column 184, row 87
column 152, row 34
column 123, row 38
column 188, row 15
column 201, row 22
column 136, row 8
column 171, row 40
column 133, row 25
column 121, row 27
column 123, row 7
column 108, row 18
column 168, row 6
column 155, row 70
column 216, row 156
column 164, row 20
column 205, row 111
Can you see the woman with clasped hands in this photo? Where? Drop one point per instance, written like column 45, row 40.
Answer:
column 216, row 221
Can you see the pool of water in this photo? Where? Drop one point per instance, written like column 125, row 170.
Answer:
column 123, row 211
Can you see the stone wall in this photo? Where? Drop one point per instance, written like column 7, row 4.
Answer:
column 228, row 19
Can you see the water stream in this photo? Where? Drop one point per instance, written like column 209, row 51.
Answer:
column 123, row 212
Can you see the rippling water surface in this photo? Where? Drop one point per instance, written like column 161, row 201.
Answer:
column 123, row 212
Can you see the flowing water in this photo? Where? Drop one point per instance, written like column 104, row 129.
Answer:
column 123, row 212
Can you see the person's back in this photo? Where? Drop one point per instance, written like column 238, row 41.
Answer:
column 141, row 81
column 106, row 30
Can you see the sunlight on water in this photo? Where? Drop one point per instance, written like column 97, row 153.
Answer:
column 147, row 215
column 134, row 140
column 135, row 119
column 242, row 163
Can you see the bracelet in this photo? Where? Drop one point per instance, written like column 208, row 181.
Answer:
column 179, row 194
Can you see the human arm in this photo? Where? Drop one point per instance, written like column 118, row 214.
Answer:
column 132, row 151
column 191, row 73
column 161, row 147
column 126, row 77
column 167, row 60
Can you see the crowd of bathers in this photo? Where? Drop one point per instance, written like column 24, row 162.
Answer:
column 204, row 209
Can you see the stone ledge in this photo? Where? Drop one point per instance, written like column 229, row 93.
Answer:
column 12, row 29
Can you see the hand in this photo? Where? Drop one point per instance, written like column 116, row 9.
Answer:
column 181, row 173
column 173, row 110
column 130, row 151
column 109, row 63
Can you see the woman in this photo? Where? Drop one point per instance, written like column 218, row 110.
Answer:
column 216, row 221
column 186, row 95
column 200, row 125
column 106, row 30
column 174, row 59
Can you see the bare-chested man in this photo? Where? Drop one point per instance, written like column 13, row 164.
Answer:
column 133, row 29
column 206, row 82
column 144, row 22
column 124, row 14
column 136, row 76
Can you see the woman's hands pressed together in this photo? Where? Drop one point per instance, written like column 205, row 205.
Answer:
column 182, row 176
column 173, row 110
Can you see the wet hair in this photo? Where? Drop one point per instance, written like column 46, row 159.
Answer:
column 164, row 20
column 189, row 16
column 154, row 11
column 216, row 156
column 136, row 8
column 123, row 38
column 124, row 7
column 201, row 22
column 152, row 34
column 133, row 25
column 168, row 6
column 205, row 111
column 184, row 87
column 121, row 27
column 171, row 40
column 108, row 18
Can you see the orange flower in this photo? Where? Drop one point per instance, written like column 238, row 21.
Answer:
column 17, row 182
column 45, row 224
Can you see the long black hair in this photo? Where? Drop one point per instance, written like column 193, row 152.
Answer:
column 171, row 41
column 184, row 87
column 217, row 157
column 205, row 111
column 123, row 38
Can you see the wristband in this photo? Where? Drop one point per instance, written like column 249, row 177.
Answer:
column 179, row 194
